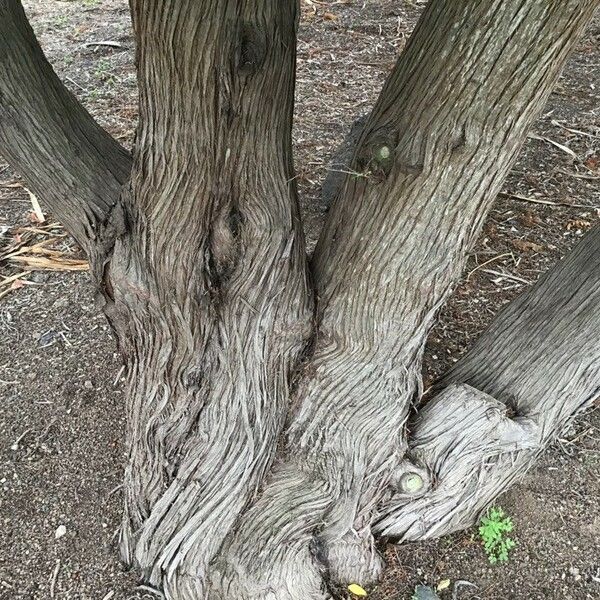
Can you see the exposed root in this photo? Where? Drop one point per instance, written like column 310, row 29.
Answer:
column 540, row 357
column 353, row 558
column 269, row 557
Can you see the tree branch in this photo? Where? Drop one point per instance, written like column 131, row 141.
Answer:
column 68, row 160
column 504, row 402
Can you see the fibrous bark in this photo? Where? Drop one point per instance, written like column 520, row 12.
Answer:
column 266, row 407
column 66, row 158
column 208, row 286
column 431, row 158
column 536, row 367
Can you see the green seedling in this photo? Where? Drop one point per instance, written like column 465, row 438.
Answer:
column 493, row 530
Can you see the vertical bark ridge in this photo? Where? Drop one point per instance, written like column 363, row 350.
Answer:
column 430, row 161
column 211, row 298
column 535, row 368
column 67, row 159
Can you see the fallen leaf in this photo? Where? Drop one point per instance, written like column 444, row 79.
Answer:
column 578, row 224
column 529, row 219
column 329, row 16
column 357, row 590
column 443, row 585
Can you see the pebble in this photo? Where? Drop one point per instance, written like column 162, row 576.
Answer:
column 61, row 530
column 40, row 277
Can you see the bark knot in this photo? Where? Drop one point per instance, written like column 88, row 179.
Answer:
column 252, row 48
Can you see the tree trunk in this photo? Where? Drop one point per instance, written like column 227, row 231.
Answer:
column 430, row 160
column 267, row 404
column 209, row 289
column 536, row 367
column 50, row 139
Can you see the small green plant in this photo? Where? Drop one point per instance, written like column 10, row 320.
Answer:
column 493, row 530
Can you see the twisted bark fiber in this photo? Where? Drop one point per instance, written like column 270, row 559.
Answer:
column 430, row 160
column 209, row 287
column 536, row 367
column 266, row 409
column 66, row 158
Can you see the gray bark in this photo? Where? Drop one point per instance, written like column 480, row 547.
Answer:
column 209, row 288
column 339, row 165
column 535, row 368
column 266, row 408
column 431, row 158
column 52, row 141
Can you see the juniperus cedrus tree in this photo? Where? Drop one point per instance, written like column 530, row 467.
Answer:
column 268, row 393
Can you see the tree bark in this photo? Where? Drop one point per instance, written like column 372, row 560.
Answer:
column 208, row 285
column 67, row 159
column 266, row 408
column 430, row 161
column 536, row 367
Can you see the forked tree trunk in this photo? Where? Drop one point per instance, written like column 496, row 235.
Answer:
column 266, row 407
column 430, row 161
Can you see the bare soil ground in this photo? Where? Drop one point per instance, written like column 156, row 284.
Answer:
column 61, row 395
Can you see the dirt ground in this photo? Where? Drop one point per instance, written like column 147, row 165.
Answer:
column 61, row 395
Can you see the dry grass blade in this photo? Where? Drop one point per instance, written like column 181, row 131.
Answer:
column 44, row 263
column 547, row 202
column 548, row 140
column 12, row 283
column 38, row 248
column 579, row 175
column 37, row 209
column 40, row 255
column 571, row 130
column 54, row 578
column 13, row 278
column 487, row 262
column 501, row 275
column 47, row 230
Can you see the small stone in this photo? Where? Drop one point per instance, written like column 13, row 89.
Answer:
column 47, row 338
column 423, row 592
column 88, row 385
column 40, row 277
column 61, row 530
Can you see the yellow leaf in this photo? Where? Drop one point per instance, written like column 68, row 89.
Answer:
column 357, row 590
column 443, row 584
